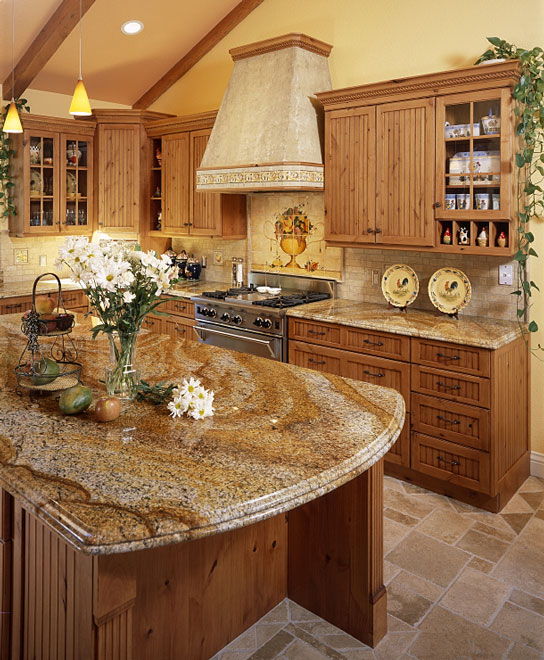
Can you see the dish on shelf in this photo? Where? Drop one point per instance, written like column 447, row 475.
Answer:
column 400, row 285
column 71, row 184
column 449, row 290
column 35, row 183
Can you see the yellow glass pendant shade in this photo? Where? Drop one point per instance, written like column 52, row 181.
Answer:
column 80, row 106
column 13, row 122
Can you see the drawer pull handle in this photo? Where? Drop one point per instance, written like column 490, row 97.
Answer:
column 369, row 373
column 180, row 329
column 449, row 387
column 448, row 421
column 316, row 361
column 448, row 357
column 316, row 332
column 373, row 343
column 455, row 463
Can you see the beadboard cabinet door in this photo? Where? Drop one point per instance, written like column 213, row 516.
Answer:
column 206, row 217
column 176, row 195
column 405, row 174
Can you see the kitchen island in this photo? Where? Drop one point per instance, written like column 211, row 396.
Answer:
column 149, row 537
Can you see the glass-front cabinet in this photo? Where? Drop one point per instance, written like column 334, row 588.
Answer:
column 474, row 172
column 53, row 168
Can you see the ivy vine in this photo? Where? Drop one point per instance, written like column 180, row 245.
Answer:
column 6, row 153
column 529, row 109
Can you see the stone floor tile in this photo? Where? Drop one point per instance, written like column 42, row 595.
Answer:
column 447, row 526
column 506, row 535
column 521, row 652
column 359, row 654
column 414, row 489
column 394, row 645
column 265, row 631
column 301, row 651
column 393, row 484
column 419, row 585
column 319, row 629
column 517, row 521
column 246, row 641
column 428, row 558
column 446, row 636
column 313, row 642
column 298, row 613
column 341, row 640
column 480, row 564
column 389, row 571
column 482, row 545
column 527, row 601
column 393, row 533
column 396, row 625
column 532, row 484
column 534, row 500
column 406, row 605
column 402, row 518
column 463, row 507
column 522, row 567
column 540, row 514
column 273, row 647
column 521, row 626
column 235, row 655
column 279, row 614
column 475, row 596
column 517, row 505
column 436, row 500
column 407, row 504
column 533, row 534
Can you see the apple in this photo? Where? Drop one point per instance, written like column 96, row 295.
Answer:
column 44, row 304
column 47, row 323
column 107, row 408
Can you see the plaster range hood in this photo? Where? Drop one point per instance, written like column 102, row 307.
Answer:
column 269, row 129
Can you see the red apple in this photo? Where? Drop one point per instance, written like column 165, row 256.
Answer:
column 107, row 408
column 45, row 304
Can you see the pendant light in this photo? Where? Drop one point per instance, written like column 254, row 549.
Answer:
column 12, row 123
column 80, row 106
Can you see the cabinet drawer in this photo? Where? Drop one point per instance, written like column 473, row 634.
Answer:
column 153, row 323
column 450, row 385
column 73, row 299
column 15, row 305
column 180, row 328
column 376, row 343
column 444, row 460
column 79, row 310
column 179, row 307
column 317, row 333
column 400, row 451
column 380, row 371
column 469, row 360
column 466, row 425
column 315, row 357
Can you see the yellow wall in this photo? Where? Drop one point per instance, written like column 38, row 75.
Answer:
column 375, row 40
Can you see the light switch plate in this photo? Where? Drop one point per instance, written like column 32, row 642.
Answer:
column 376, row 277
column 43, row 260
column 506, row 275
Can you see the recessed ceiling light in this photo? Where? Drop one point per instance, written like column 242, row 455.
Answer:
column 132, row 27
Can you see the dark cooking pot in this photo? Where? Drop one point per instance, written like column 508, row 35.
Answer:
column 192, row 269
column 181, row 263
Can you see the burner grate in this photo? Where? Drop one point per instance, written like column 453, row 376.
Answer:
column 280, row 302
column 221, row 295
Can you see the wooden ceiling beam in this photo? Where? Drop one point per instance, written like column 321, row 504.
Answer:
column 197, row 52
column 48, row 41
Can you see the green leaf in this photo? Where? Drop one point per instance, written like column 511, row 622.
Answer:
column 530, row 236
column 532, row 253
column 495, row 41
column 532, row 327
column 520, row 313
column 534, row 286
column 520, row 160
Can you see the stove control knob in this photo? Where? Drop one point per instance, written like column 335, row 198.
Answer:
column 204, row 311
column 237, row 319
column 258, row 322
column 212, row 312
column 267, row 323
column 225, row 317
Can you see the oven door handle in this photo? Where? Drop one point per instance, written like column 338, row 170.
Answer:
column 196, row 328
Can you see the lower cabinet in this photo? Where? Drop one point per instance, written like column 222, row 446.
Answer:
column 74, row 301
column 180, row 322
column 466, row 429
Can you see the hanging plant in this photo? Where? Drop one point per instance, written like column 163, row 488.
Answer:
column 529, row 109
column 6, row 153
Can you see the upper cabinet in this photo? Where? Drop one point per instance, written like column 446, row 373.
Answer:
column 423, row 162
column 53, row 169
column 175, row 207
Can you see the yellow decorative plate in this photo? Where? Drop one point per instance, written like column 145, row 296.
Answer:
column 449, row 290
column 400, row 285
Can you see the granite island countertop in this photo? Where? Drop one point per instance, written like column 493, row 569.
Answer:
column 281, row 436
column 469, row 330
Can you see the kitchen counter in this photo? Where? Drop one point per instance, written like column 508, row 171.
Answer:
column 469, row 330
column 24, row 288
column 188, row 289
column 280, row 437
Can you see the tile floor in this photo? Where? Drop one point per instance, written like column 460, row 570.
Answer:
column 462, row 584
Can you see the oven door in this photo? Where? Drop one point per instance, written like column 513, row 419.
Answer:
column 244, row 341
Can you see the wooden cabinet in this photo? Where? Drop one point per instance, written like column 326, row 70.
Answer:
column 74, row 301
column 15, row 304
column 179, row 209
column 393, row 156
column 53, row 168
column 466, row 429
column 180, row 322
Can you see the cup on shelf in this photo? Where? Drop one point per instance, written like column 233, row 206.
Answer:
column 450, row 201
column 482, row 201
column 463, row 201
column 496, row 201
column 491, row 125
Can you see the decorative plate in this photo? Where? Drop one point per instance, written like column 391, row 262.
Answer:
column 71, row 185
column 449, row 290
column 400, row 285
column 35, row 183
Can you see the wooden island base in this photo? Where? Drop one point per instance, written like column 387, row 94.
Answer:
column 189, row 600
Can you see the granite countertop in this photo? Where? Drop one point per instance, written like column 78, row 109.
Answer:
column 281, row 436
column 188, row 289
column 468, row 330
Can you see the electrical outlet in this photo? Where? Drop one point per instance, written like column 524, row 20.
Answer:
column 376, row 277
column 506, row 275
column 43, row 260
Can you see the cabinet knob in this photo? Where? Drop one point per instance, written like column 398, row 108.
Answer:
column 378, row 231
column 370, row 230
column 437, row 205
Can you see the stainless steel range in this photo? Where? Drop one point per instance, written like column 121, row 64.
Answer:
column 245, row 320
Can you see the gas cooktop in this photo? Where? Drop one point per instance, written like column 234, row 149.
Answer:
column 249, row 296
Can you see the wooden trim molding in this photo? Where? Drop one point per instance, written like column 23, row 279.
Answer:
column 197, row 52
column 45, row 45
column 291, row 40
column 160, row 127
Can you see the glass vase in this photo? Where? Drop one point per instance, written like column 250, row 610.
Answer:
column 122, row 377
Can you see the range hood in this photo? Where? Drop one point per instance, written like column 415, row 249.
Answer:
column 269, row 129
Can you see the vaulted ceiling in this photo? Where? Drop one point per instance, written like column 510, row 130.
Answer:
column 116, row 67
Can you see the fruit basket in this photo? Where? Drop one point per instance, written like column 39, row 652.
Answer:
column 48, row 362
